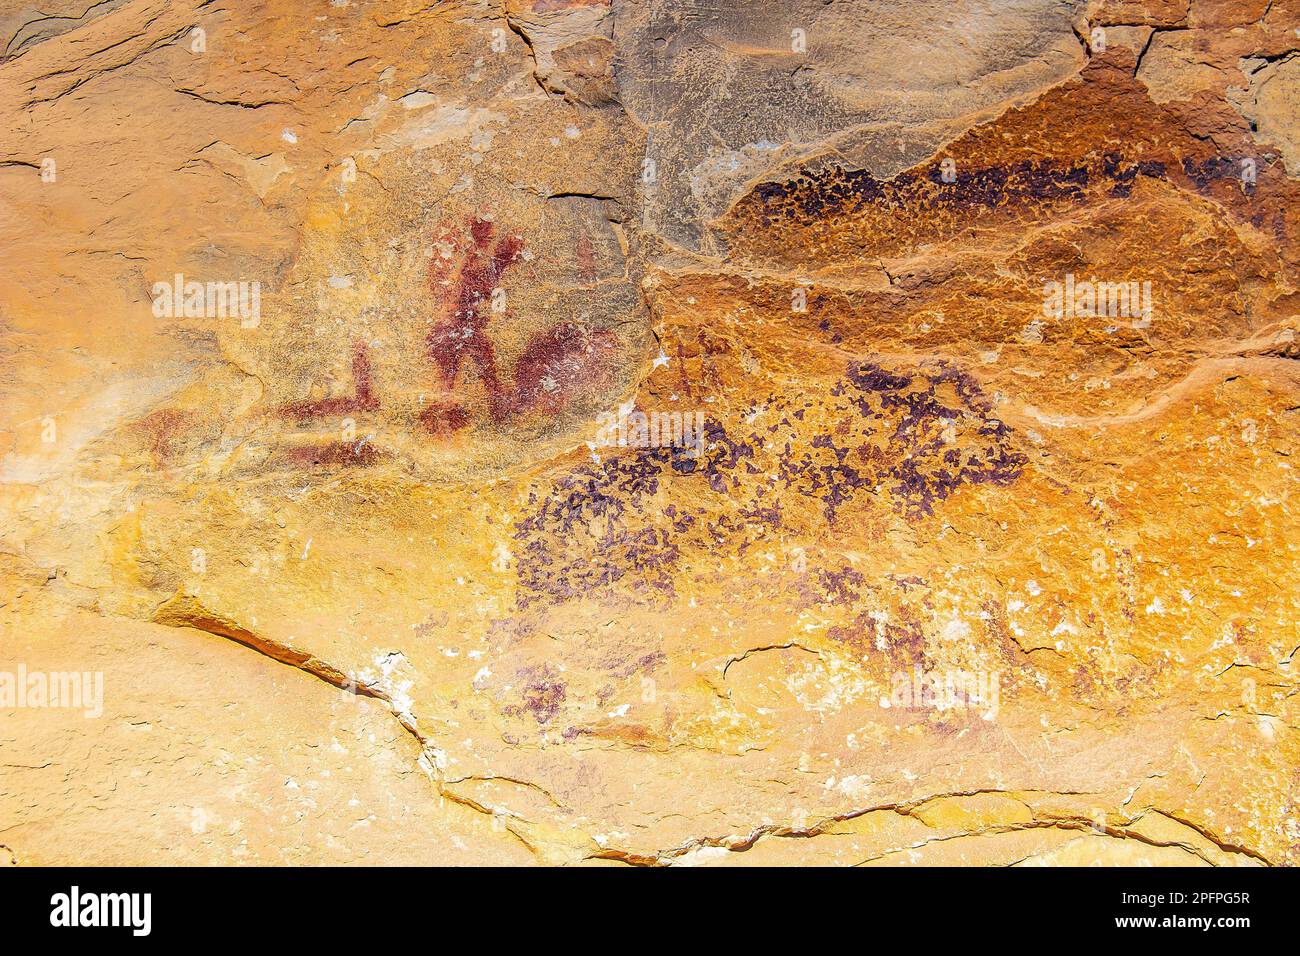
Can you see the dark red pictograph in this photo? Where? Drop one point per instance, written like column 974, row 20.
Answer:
column 444, row 418
column 558, row 362
column 362, row 399
column 553, row 366
column 463, row 334
column 586, row 255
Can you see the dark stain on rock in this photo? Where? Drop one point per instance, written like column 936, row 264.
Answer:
column 839, row 191
column 910, row 439
column 542, row 696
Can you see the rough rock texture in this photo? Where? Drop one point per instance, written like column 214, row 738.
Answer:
column 363, row 578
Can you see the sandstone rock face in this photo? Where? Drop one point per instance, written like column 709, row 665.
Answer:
column 595, row 432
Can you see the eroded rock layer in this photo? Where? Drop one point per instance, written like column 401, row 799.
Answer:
column 575, row 431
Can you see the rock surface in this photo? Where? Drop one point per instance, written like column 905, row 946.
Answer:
column 608, row 432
